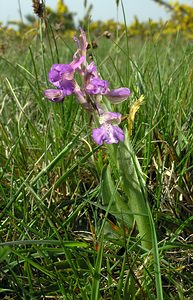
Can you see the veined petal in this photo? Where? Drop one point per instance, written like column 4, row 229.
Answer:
column 54, row 95
column 67, row 72
column 118, row 95
column 108, row 133
column 110, row 117
column 54, row 74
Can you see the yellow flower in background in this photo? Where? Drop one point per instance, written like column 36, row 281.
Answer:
column 61, row 7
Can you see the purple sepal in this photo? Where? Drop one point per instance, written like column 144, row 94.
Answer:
column 110, row 117
column 54, row 95
column 77, row 61
column 118, row 95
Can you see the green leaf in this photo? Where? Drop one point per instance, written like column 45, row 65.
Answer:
column 133, row 185
column 97, row 272
column 119, row 207
column 70, row 244
column 4, row 252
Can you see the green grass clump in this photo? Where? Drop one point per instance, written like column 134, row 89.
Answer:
column 57, row 238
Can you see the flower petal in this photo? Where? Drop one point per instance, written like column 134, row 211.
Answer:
column 60, row 72
column 77, row 61
column 108, row 133
column 97, row 86
column 67, row 86
column 110, row 117
column 118, row 95
column 54, row 95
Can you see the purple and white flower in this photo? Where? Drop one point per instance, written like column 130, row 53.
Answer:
column 108, row 133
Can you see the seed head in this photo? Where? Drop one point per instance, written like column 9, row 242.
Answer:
column 39, row 7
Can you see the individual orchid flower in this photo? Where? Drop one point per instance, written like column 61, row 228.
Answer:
column 54, row 95
column 118, row 95
column 61, row 72
column 57, row 71
column 62, row 77
column 108, row 133
column 57, row 95
column 97, row 86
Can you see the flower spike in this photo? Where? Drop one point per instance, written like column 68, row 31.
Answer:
column 89, row 94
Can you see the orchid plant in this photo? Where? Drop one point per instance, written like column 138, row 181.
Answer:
column 90, row 94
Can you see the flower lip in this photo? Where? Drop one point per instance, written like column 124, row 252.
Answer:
column 108, row 133
column 67, row 86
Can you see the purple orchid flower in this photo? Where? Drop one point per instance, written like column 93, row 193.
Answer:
column 108, row 133
column 89, row 94
column 97, row 86
column 57, row 72
column 57, row 95
column 62, row 76
column 61, row 72
column 54, row 95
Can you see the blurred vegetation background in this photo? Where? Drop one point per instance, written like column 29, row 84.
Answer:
column 62, row 20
